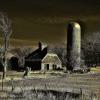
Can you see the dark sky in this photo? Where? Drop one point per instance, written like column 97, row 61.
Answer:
column 46, row 20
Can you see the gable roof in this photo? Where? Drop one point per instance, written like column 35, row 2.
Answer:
column 37, row 54
column 51, row 58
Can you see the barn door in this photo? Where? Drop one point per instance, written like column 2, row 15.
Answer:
column 47, row 66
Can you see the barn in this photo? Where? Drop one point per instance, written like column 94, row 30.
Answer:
column 51, row 62
column 33, row 60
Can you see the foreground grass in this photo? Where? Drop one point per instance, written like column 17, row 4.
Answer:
column 34, row 94
column 86, row 84
column 39, row 95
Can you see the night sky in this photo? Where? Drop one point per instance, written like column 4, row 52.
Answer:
column 46, row 20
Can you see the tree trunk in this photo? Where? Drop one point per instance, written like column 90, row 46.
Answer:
column 5, row 69
column 5, row 58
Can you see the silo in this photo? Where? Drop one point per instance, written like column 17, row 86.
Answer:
column 73, row 46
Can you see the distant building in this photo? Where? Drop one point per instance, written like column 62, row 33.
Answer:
column 51, row 62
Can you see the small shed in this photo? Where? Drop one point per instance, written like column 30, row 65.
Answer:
column 51, row 62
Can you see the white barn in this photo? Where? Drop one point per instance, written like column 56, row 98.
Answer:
column 51, row 62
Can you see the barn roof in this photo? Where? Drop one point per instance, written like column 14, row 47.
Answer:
column 37, row 54
column 51, row 58
column 9, row 55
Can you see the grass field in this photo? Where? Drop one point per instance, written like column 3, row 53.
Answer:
column 88, row 83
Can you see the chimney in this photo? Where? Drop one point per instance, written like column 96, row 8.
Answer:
column 40, row 45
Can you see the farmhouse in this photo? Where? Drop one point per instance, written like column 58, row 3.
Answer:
column 51, row 62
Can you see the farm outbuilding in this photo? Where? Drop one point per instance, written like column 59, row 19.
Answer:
column 12, row 61
column 51, row 62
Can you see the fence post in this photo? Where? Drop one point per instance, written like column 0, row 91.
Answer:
column 12, row 84
column 81, row 92
column 2, row 83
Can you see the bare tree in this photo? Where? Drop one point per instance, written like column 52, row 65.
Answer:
column 6, row 29
column 22, row 53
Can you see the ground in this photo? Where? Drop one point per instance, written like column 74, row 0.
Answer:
column 88, row 83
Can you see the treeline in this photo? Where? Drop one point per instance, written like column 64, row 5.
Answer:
column 91, row 49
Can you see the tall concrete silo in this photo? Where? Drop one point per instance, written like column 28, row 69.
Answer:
column 73, row 45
